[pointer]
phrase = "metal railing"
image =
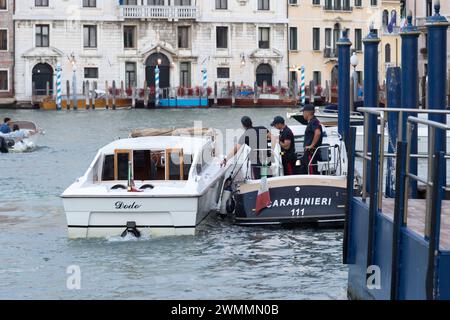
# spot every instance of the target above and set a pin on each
(433, 126)
(382, 114)
(159, 12)
(337, 163)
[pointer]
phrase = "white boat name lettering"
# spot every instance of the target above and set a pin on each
(120, 205)
(301, 202)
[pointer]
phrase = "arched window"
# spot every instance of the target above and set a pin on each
(394, 17)
(385, 18)
(387, 53)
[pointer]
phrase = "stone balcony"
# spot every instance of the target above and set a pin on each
(173, 13)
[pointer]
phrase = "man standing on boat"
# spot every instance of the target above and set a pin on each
(256, 139)
(313, 140)
(287, 143)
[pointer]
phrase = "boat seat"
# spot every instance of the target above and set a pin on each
(325, 152)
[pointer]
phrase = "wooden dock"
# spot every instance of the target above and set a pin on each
(416, 218)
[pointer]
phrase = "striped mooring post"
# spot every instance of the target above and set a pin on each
(205, 82)
(157, 86)
(303, 85)
(58, 87)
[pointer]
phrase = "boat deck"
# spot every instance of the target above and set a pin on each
(416, 218)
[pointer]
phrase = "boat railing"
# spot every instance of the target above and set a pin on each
(329, 165)
(336, 112)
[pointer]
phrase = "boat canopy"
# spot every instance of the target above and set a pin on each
(188, 144)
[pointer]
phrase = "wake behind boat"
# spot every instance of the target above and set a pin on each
(151, 185)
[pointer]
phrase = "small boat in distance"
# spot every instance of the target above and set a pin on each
(153, 185)
(328, 117)
(22, 140)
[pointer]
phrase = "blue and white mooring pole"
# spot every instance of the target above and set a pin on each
(303, 85)
(58, 87)
(157, 86)
(205, 81)
(74, 86)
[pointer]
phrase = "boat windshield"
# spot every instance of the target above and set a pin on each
(147, 165)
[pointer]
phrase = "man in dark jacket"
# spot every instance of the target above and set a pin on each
(313, 140)
(287, 144)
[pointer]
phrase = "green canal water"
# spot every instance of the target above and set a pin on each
(222, 262)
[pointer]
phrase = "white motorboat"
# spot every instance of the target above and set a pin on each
(23, 140)
(146, 186)
(295, 199)
(329, 118)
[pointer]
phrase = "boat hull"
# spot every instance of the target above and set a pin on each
(105, 217)
(295, 201)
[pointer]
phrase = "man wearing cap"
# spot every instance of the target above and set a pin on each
(287, 143)
(313, 140)
(256, 139)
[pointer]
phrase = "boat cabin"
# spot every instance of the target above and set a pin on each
(152, 159)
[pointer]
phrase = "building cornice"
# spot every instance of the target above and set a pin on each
(53, 18)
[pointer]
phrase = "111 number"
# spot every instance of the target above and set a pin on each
(297, 212)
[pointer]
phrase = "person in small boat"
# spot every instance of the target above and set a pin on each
(6, 126)
(18, 134)
(287, 143)
(313, 140)
(256, 139)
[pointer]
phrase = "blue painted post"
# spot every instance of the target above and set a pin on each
(393, 88)
(371, 43)
(157, 86)
(437, 27)
(303, 85)
(205, 82)
(344, 45)
(410, 95)
(74, 87)
(58, 87)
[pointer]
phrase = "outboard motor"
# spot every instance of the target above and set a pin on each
(131, 229)
(4, 148)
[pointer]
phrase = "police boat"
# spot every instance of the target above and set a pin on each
(266, 197)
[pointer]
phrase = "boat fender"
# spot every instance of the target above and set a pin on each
(3, 145)
(147, 186)
(131, 228)
(226, 195)
(119, 186)
(231, 205)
